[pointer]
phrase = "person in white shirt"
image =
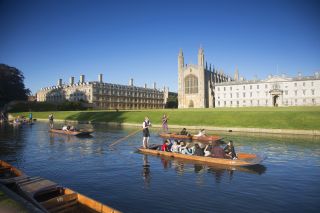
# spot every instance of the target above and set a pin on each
(146, 134)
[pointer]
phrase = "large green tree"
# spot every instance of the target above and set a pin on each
(11, 85)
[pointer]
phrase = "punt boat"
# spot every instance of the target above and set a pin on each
(75, 133)
(244, 159)
(175, 136)
(8, 173)
(50, 197)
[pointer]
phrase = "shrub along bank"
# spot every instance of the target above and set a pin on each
(304, 118)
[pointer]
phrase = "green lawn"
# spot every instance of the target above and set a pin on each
(258, 117)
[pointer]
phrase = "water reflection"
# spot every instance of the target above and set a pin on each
(146, 173)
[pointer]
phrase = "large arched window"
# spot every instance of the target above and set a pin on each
(191, 84)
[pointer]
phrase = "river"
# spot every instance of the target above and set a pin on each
(287, 181)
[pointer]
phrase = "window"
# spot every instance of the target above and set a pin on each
(295, 92)
(218, 103)
(244, 87)
(312, 84)
(230, 88)
(224, 88)
(286, 92)
(250, 94)
(244, 94)
(312, 91)
(266, 86)
(295, 84)
(230, 95)
(250, 86)
(191, 84)
(304, 92)
(218, 88)
(257, 86)
(225, 103)
(237, 95)
(304, 84)
(230, 103)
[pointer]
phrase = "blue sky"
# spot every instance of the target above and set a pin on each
(48, 39)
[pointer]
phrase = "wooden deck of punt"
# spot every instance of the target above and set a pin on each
(50, 197)
(8, 173)
(244, 159)
(190, 137)
(75, 133)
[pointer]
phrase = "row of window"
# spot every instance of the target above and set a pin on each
(265, 102)
(275, 86)
(237, 95)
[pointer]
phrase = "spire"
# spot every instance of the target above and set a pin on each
(201, 57)
(236, 74)
(180, 52)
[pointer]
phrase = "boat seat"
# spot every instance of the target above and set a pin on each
(63, 203)
(36, 185)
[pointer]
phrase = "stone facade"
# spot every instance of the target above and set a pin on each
(196, 82)
(106, 95)
(274, 91)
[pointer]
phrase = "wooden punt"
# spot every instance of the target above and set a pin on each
(244, 159)
(206, 138)
(9, 174)
(175, 136)
(75, 133)
(50, 197)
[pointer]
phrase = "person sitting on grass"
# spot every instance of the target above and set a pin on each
(229, 150)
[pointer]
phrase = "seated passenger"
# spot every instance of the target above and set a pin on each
(175, 147)
(184, 132)
(65, 128)
(188, 149)
(207, 151)
(217, 151)
(72, 128)
(164, 146)
(201, 133)
(229, 150)
(197, 150)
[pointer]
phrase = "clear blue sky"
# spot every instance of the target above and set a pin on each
(48, 40)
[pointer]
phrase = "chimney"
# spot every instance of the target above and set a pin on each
(100, 78)
(71, 80)
(131, 82)
(154, 85)
(60, 82)
(81, 79)
(145, 86)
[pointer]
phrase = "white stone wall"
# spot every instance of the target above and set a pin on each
(291, 92)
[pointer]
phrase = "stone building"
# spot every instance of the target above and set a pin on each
(196, 82)
(273, 91)
(105, 95)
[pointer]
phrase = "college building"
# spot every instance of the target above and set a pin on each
(203, 87)
(105, 95)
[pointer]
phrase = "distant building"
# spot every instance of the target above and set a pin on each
(273, 91)
(105, 95)
(196, 82)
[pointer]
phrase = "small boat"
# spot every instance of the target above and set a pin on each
(75, 132)
(206, 138)
(175, 136)
(8, 173)
(50, 197)
(244, 159)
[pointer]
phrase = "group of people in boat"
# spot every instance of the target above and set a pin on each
(212, 149)
(68, 128)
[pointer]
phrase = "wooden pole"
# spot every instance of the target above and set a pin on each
(121, 139)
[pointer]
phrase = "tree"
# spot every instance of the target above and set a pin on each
(11, 85)
(172, 101)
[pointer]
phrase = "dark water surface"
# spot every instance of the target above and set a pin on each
(287, 181)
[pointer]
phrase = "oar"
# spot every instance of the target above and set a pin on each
(121, 139)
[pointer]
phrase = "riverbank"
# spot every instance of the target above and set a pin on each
(290, 120)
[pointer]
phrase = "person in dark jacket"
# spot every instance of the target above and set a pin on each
(217, 151)
(229, 150)
(198, 151)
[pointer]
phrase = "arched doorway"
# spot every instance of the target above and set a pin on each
(191, 104)
(275, 100)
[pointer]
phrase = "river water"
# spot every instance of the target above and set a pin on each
(287, 181)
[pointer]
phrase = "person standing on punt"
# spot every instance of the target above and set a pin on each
(165, 123)
(146, 134)
(51, 120)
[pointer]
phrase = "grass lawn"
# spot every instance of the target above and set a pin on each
(307, 118)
